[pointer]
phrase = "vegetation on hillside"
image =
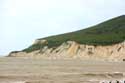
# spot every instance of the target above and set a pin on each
(107, 33)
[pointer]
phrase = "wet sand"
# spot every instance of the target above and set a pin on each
(29, 70)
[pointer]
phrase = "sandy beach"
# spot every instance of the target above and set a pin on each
(35, 70)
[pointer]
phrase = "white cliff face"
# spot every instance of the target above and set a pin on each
(71, 49)
(40, 42)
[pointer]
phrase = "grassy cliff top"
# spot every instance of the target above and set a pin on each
(106, 33)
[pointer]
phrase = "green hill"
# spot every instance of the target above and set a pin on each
(107, 33)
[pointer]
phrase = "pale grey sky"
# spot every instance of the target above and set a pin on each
(23, 21)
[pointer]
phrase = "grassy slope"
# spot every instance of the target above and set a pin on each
(107, 33)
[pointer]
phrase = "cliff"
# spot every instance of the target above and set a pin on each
(74, 50)
(104, 41)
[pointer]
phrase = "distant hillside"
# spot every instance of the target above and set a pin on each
(107, 33)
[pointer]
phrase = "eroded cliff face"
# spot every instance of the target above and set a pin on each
(74, 50)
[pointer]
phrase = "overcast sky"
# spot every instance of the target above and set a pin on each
(23, 21)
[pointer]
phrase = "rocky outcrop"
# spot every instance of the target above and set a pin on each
(40, 42)
(72, 49)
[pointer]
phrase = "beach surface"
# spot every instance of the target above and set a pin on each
(36, 70)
